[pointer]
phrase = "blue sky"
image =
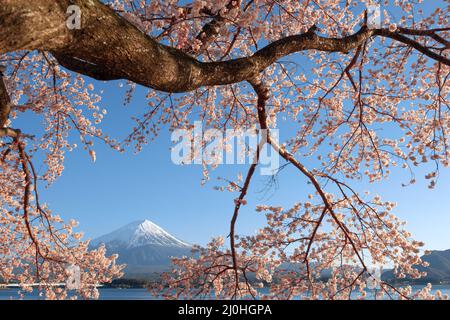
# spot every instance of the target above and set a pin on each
(120, 188)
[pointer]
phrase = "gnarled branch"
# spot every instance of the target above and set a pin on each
(109, 47)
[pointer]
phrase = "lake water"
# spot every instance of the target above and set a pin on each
(142, 294)
(105, 294)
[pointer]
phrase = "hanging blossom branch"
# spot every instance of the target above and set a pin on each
(240, 201)
(51, 250)
(227, 273)
(263, 96)
(262, 93)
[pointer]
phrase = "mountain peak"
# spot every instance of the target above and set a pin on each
(139, 233)
(146, 225)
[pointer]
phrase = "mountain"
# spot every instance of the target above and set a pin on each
(144, 247)
(438, 270)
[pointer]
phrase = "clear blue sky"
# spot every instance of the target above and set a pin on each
(120, 188)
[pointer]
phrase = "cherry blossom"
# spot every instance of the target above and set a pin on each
(360, 101)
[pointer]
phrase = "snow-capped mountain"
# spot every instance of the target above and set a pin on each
(138, 234)
(143, 246)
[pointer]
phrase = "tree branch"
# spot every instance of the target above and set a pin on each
(5, 109)
(5, 101)
(262, 93)
(109, 47)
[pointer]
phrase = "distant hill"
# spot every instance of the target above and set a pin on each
(437, 272)
(144, 247)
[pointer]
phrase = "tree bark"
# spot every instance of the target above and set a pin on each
(5, 102)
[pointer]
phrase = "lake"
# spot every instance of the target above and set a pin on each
(105, 294)
(143, 294)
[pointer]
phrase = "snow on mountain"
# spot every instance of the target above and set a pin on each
(140, 233)
(143, 246)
